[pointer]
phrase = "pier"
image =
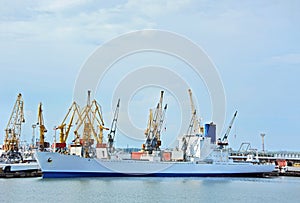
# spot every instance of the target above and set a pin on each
(20, 174)
(287, 162)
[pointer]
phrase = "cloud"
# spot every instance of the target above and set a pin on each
(85, 21)
(290, 59)
(60, 5)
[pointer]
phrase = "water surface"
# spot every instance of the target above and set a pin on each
(276, 189)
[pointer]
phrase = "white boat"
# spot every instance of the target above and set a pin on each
(20, 167)
(17, 162)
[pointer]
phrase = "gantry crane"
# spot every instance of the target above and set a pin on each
(224, 141)
(153, 131)
(14, 126)
(43, 130)
(112, 133)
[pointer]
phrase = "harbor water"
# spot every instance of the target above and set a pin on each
(274, 189)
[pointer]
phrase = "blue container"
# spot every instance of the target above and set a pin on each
(210, 131)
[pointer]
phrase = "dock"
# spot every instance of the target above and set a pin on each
(20, 174)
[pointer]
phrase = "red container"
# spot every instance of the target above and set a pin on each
(90, 141)
(167, 156)
(281, 163)
(101, 145)
(59, 145)
(136, 155)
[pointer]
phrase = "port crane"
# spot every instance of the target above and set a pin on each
(14, 126)
(112, 133)
(90, 123)
(195, 127)
(153, 131)
(224, 140)
(67, 123)
(149, 125)
(190, 131)
(43, 130)
(91, 120)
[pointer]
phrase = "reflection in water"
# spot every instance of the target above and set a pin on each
(151, 189)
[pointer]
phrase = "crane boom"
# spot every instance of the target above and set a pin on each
(112, 133)
(91, 122)
(195, 127)
(154, 127)
(158, 116)
(147, 131)
(43, 130)
(161, 121)
(64, 127)
(224, 140)
(13, 129)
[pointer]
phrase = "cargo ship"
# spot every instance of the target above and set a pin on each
(56, 165)
(196, 154)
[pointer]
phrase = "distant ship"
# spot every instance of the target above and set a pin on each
(196, 155)
(14, 156)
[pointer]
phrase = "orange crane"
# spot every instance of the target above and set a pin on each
(14, 126)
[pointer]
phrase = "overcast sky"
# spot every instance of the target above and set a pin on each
(254, 45)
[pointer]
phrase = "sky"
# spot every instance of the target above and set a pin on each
(254, 46)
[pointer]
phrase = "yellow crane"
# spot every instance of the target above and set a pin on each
(148, 131)
(14, 126)
(43, 130)
(153, 131)
(91, 120)
(194, 127)
(67, 123)
(149, 126)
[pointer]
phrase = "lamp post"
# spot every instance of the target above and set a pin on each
(33, 135)
(263, 141)
(54, 139)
